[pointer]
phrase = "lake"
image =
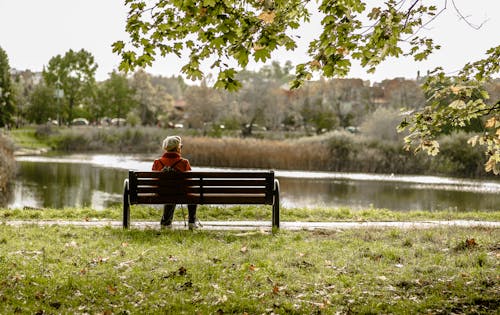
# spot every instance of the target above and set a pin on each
(97, 181)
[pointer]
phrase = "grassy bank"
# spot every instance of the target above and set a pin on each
(239, 213)
(335, 151)
(68, 270)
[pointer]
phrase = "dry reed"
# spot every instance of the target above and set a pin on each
(255, 153)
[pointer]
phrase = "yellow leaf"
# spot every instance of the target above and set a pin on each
(473, 141)
(267, 16)
(342, 51)
(490, 123)
(257, 47)
(315, 64)
(457, 104)
(455, 89)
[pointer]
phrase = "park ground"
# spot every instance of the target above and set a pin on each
(81, 268)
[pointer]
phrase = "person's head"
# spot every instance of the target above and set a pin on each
(172, 144)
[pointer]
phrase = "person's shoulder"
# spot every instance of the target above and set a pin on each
(157, 165)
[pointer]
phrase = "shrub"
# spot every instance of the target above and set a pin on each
(457, 158)
(7, 166)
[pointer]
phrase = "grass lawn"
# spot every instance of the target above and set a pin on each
(74, 270)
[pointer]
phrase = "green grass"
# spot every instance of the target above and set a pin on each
(70, 270)
(239, 213)
(26, 138)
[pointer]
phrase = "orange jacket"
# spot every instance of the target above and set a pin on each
(168, 159)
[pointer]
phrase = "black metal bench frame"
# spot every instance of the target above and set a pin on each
(203, 188)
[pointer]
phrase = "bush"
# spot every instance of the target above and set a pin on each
(457, 158)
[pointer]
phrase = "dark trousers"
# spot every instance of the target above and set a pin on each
(168, 214)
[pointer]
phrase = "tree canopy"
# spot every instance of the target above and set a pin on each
(224, 33)
(6, 95)
(74, 74)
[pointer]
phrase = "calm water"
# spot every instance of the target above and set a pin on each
(97, 181)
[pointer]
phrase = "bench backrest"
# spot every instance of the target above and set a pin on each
(223, 187)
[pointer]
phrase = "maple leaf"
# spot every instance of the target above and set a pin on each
(267, 17)
(490, 123)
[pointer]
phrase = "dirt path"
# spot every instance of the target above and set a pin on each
(264, 225)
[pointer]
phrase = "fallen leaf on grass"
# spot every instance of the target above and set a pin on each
(469, 243)
(55, 305)
(221, 299)
(244, 249)
(182, 271)
(27, 252)
(72, 244)
(185, 285)
(112, 290)
(276, 289)
(98, 260)
(216, 260)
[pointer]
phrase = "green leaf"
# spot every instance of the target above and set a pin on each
(262, 54)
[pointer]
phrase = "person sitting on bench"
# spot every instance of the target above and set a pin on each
(172, 160)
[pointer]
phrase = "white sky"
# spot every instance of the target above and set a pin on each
(34, 31)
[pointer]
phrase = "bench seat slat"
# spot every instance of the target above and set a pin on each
(196, 174)
(197, 182)
(210, 199)
(206, 190)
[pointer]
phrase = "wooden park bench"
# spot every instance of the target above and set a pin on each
(203, 188)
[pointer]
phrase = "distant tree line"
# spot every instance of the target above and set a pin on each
(67, 89)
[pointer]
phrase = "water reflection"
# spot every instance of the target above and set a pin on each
(379, 194)
(61, 185)
(97, 181)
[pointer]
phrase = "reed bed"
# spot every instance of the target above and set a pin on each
(256, 153)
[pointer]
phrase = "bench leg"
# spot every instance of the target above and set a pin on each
(276, 204)
(126, 205)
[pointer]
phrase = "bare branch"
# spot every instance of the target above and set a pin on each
(462, 17)
(409, 11)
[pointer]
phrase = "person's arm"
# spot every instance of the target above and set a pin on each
(187, 166)
(157, 165)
